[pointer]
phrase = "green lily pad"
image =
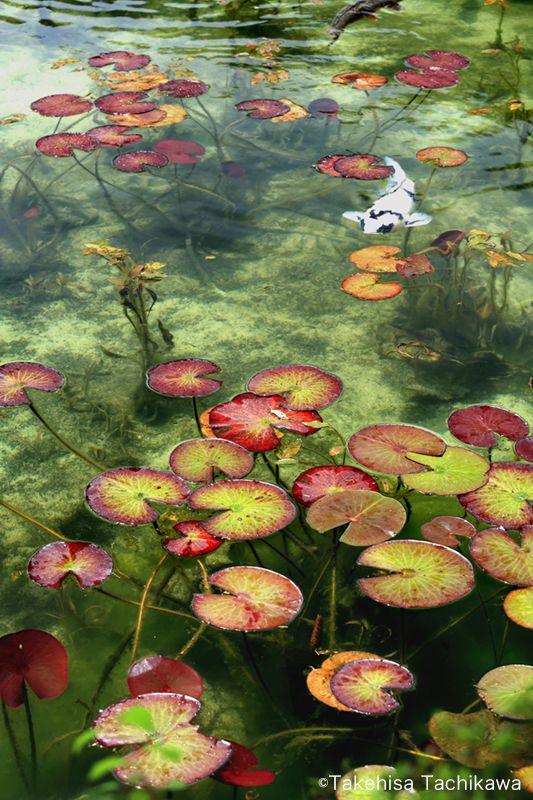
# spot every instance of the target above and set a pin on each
(383, 448)
(254, 599)
(456, 471)
(445, 530)
(424, 574)
(518, 606)
(196, 460)
(508, 691)
(373, 782)
(307, 387)
(254, 508)
(361, 685)
(503, 500)
(372, 518)
(497, 553)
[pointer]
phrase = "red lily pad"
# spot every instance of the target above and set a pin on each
(254, 599)
(196, 460)
(518, 605)
(430, 78)
(424, 575)
(327, 165)
(442, 156)
(160, 674)
(251, 421)
(476, 425)
(363, 168)
(445, 530)
(497, 553)
(371, 517)
(456, 470)
(253, 508)
(60, 145)
(88, 563)
(61, 105)
(20, 375)
(194, 542)
(443, 59)
(236, 771)
(233, 170)
(121, 495)
(179, 151)
(138, 160)
(114, 135)
(524, 448)
(307, 387)
(444, 240)
(414, 266)
(318, 680)
(508, 691)
(383, 448)
(121, 59)
(324, 107)
(263, 109)
(36, 657)
(171, 751)
(317, 482)
(125, 103)
(184, 378)
(183, 88)
(503, 500)
(365, 286)
(361, 685)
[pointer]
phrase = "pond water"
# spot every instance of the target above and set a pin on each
(248, 250)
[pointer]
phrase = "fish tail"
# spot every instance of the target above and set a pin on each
(399, 175)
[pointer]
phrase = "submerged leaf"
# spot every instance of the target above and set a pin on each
(33, 656)
(160, 674)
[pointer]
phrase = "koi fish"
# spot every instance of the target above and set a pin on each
(394, 209)
(358, 10)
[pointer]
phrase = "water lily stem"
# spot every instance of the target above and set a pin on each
(333, 597)
(70, 447)
(31, 733)
(141, 607)
(376, 121)
(30, 519)
(197, 416)
(15, 750)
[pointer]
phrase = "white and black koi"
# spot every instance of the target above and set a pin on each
(359, 10)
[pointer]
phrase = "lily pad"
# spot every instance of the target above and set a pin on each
(372, 518)
(307, 387)
(326, 165)
(476, 425)
(251, 421)
(524, 448)
(442, 156)
(414, 266)
(263, 109)
(171, 752)
(317, 482)
(150, 119)
(372, 782)
(318, 680)
(324, 107)
(363, 286)
(160, 674)
(121, 495)
(183, 88)
(179, 151)
(456, 470)
(377, 258)
(20, 375)
(360, 80)
(114, 135)
(503, 500)
(295, 112)
(424, 575)
(88, 563)
(61, 105)
(444, 240)
(383, 448)
(196, 460)
(497, 553)
(442, 59)
(60, 145)
(518, 605)
(184, 378)
(254, 599)
(36, 657)
(122, 59)
(430, 78)
(254, 508)
(236, 771)
(361, 685)
(138, 160)
(194, 542)
(445, 530)
(125, 103)
(508, 691)
(363, 168)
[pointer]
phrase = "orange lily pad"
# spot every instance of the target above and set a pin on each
(360, 80)
(295, 112)
(376, 258)
(318, 680)
(365, 286)
(139, 120)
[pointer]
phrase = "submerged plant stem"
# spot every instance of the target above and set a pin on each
(31, 732)
(15, 750)
(70, 447)
(30, 519)
(141, 607)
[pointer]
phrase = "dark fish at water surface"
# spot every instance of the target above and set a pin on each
(355, 11)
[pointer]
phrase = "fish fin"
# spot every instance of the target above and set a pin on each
(418, 219)
(398, 175)
(356, 216)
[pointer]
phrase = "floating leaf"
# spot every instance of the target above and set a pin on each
(121, 495)
(424, 574)
(254, 508)
(194, 542)
(125, 103)
(362, 685)
(430, 78)
(20, 375)
(414, 266)
(147, 120)
(61, 105)
(503, 500)
(138, 160)
(363, 286)
(90, 564)
(326, 165)
(121, 59)
(318, 680)
(263, 109)
(33, 656)
(377, 258)
(508, 691)
(360, 80)
(363, 168)
(498, 554)
(183, 88)
(318, 482)
(383, 448)
(442, 156)
(456, 470)
(443, 59)
(184, 378)
(114, 135)
(160, 674)
(444, 240)
(136, 82)
(173, 114)
(475, 425)
(172, 752)
(372, 518)
(196, 460)
(324, 107)
(295, 112)
(60, 145)
(237, 772)
(251, 421)
(179, 151)
(254, 599)
(307, 387)
(518, 605)
(445, 530)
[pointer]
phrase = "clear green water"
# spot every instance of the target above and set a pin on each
(254, 270)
